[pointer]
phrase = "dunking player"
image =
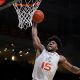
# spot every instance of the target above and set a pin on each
(47, 62)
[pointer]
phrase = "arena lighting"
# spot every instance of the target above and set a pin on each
(20, 55)
(27, 53)
(5, 49)
(20, 52)
(12, 50)
(5, 58)
(13, 58)
(28, 48)
(0, 51)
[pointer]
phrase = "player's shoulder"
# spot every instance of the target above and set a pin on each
(62, 58)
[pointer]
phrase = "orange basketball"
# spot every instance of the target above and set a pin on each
(2, 2)
(38, 16)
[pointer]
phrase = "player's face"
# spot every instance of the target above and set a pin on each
(52, 46)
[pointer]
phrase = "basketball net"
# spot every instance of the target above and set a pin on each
(25, 12)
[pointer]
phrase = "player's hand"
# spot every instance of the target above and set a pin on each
(78, 73)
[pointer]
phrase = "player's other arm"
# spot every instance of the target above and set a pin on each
(36, 41)
(68, 66)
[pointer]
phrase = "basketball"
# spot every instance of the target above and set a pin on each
(2, 2)
(38, 16)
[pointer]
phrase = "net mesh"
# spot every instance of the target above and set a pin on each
(25, 12)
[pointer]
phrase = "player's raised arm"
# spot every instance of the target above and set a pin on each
(36, 41)
(68, 66)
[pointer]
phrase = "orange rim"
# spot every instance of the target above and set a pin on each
(16, 4)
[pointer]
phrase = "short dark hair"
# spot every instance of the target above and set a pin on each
(57, 40)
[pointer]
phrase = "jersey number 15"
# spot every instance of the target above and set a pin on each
(46, 66)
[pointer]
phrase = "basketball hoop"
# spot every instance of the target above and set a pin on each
(25, 10)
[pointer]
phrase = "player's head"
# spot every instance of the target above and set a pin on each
(53, 44)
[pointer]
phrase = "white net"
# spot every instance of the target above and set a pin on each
(25, 10)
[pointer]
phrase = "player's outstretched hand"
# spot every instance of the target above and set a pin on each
(78, 73)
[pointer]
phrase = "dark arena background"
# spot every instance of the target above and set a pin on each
(17, 55)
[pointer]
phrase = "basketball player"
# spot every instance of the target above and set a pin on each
(47, 58)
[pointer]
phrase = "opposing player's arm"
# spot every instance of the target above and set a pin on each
(68, 66)
(36, 41)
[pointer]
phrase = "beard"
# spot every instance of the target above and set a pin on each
(49, 49)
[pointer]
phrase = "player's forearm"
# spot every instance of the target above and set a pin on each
(34, 30)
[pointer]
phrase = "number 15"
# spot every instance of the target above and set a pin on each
(46, 66)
